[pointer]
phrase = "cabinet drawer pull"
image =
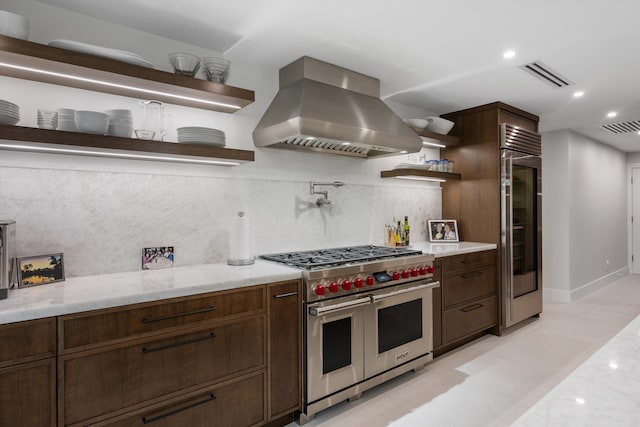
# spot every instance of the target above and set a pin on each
(148, 420)
(173, 316)
(288, 294)
(178, 344)
(470, 275)
(472, 307)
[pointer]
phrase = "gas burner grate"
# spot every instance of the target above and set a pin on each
(325, 258)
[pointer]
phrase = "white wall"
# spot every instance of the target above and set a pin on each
(592, 189)
(101, 212)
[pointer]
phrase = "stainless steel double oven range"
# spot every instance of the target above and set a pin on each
(368, 318)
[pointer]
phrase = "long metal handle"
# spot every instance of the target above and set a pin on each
(428, 285)
(165, 347)
(319, 311)
(472, 307)
(148, 420)
(288, 294)
(173, 316)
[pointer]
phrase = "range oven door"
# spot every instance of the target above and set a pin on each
(335, 331)
(398, 326)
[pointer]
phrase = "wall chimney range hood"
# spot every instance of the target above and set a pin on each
(325, 108)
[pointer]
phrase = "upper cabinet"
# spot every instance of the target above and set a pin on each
(33, 61)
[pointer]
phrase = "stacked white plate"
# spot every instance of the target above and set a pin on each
(9, 113)
(67, 120)
(120, 123)
(200, 135)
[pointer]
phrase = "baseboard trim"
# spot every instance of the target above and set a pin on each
(561, 296)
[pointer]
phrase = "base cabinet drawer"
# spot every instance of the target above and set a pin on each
(238, 404)
(469, 285)
(111, 379)
(469, 261)
(27, 341)
(470, 318)
(28, 395)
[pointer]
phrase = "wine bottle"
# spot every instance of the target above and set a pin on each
(406, 231)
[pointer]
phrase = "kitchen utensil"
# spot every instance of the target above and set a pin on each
(154, 119)
(47, 119)
(439, 125)
(184, 63)
(144, 134)
(201, 135)
(92, 122)
(14, 25)
(216, 69)
(118, 55)
(124, 131)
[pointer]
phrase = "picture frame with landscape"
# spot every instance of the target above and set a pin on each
(443, 231)
(40, 270)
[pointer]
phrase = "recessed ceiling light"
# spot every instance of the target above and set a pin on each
(611, 114)
(578, 94)
(509, 54)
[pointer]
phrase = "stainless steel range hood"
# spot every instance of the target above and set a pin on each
(325, 108)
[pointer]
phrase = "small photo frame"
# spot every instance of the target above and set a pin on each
(157, 257)
(443, 231)
(40, 270)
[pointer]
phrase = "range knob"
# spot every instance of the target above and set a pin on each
(357, 282)
(346, 285)
(430, 269)
(319, 290)
(369, 281)
(333, 287)
(414, 272)
(423, 271)
(405, 274)
(395, 275)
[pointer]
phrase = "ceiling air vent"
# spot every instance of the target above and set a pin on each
(546, 74)
(624, 127)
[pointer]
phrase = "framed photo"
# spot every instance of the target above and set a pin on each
(40, 270)
(157, 257)
(443, 230)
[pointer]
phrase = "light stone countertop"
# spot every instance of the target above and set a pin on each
(79, 294)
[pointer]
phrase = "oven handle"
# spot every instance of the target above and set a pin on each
(319, 311)
(428, 285)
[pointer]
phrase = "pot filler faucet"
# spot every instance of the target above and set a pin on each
(324, 195)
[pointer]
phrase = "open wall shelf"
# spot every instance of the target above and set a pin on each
(446, 140)
(419, 173)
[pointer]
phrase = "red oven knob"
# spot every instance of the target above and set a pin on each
(369, 280)
(423, 271)
(405, 274)
(346, 285)
(414, 272)
(430, 269)
(357, 282)
(395, 275)
(333, 287)
(319, 290)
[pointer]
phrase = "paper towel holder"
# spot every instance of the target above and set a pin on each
(246, 261)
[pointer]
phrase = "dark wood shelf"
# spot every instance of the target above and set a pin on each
(394, 173)
(446, 140)
(38, 62)
(35, 139)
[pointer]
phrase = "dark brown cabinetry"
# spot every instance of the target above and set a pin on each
(284, 348)
(468, 299)
(28, 374)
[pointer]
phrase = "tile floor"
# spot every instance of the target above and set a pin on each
(493, 381)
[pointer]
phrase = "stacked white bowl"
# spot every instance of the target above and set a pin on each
(9, 113)
(67, 120)
(47, 119)
(13, 25)
(120, 123)
(92, 122)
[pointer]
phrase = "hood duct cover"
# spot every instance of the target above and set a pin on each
(325, 108)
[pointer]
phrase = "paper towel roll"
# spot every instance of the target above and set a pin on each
(240, 250)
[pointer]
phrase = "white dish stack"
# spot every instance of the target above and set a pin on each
(201, 135)
(120, 123)
(67, 120)
(9, 113)
(14, 25)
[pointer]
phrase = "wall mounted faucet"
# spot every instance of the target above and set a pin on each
(324, 195)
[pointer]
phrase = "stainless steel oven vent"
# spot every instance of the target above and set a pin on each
(518, 139)
(623, 127)
(546, 74)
